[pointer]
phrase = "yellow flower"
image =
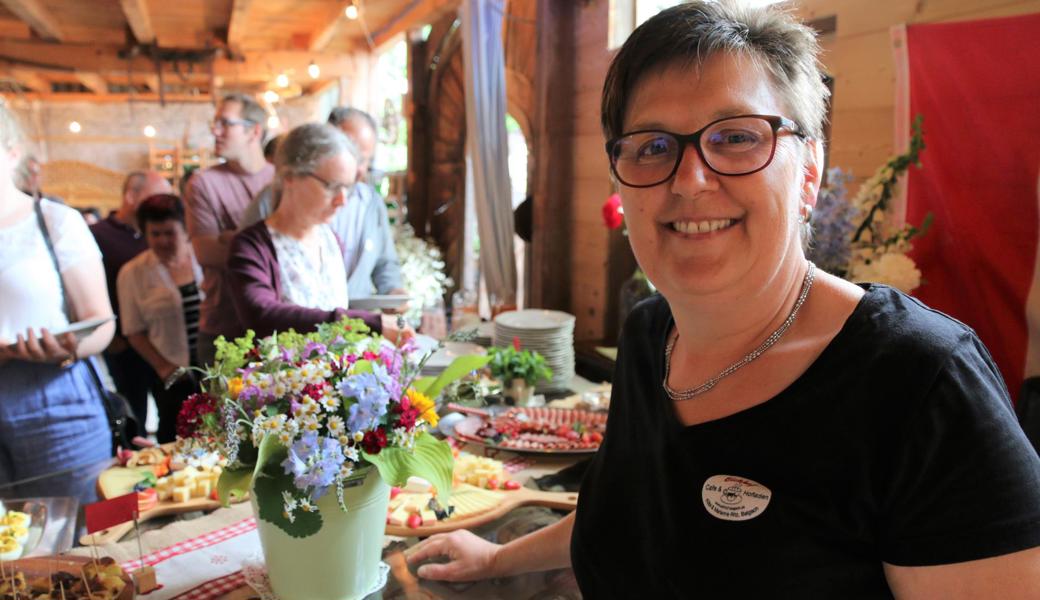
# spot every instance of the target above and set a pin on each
(235, 387)
(424, 405)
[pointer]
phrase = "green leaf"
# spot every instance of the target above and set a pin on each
(458, 368)
(362, 366)
(422, 384)
(268, 488)
(234, 483)
(431, 460)
(270, 448)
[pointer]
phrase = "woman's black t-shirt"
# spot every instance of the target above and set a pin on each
(897, 445)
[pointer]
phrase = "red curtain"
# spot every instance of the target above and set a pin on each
(978, 87)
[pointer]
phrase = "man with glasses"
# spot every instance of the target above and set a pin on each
(215, 199)
(362, 224)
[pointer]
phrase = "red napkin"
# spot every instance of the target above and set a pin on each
(105, 514)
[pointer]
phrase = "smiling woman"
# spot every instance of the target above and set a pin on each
(773, 429)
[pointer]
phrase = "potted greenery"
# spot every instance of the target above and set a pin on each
(519, 370)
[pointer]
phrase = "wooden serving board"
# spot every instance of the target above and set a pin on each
(42, 566)
(510, 500)
(162, 509)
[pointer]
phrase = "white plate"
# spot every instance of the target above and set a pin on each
(534, 319)
(389, 302)
(83, 328)
(452, 350)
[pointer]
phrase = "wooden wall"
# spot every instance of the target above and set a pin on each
(858, 55)
(579, 266)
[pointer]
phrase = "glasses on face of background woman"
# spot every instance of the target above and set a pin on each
(739, 145)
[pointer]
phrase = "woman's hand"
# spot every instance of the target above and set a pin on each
(44, 348)
(470, 557)
(393, 333)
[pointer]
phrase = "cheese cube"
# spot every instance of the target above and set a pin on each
(202, 488)
(398, 517)
(428, 517)
(181, 494)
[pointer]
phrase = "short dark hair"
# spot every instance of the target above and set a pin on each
(342, 114)
(692, 32)
(134, 181)
(271, 147)
(251, 110)
(159, 209)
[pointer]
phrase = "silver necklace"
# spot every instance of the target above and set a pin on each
(810, 276)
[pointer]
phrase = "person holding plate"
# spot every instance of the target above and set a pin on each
(774, 430)
(287, 271)
(54, 433)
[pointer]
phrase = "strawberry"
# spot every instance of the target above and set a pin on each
(414, 521)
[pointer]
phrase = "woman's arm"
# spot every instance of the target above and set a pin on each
(1009, 577)
(472, 557)
(148, 351)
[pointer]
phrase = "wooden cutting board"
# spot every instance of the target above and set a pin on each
(509, 500)
(42, 566)
(110, 486)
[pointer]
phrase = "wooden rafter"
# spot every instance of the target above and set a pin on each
(140, 20)
(323, 36)
(107, 61)
(34, 14)
(31, 79)
(93, 82)
(238, 23)
(416, 14)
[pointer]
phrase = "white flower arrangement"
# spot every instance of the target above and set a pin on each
(422, 270)
(854, 240)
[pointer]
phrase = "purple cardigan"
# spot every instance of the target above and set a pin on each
(256, 288)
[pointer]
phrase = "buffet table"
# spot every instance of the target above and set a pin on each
(202, 558)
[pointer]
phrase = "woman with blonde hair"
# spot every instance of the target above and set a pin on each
(774, 431)
(54, 433)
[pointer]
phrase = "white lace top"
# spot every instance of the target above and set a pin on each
(30, 294)
(312, 273)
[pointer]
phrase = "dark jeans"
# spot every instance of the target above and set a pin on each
(169, 402)
(133, 377)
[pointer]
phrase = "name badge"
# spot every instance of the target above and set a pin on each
(733, 498)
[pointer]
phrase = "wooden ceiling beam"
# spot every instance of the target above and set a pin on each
(34, 14)
(323, 35)
(112, 98)
(31, 79)
(93, 82)
(415, 15)
(238, 23)
(140, 20)
(107, 62)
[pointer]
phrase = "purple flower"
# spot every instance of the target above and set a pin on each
(833, 225)
(392, 360)
(288, 355)
(311, 347)
(314, 463)
(371, 399)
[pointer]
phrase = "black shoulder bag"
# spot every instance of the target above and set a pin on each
(121, 420)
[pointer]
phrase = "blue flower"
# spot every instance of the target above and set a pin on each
(314, 462)
(371, 398)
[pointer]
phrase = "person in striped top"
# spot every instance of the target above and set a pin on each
(159, 294)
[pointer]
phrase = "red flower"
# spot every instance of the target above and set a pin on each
(516, 343)
(369, 355)
(374, 441)
(191, 417)
(407, 414)
(314, 390)
(613, 214)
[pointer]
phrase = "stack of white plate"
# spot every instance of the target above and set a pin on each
(485, 334)
(547, 332)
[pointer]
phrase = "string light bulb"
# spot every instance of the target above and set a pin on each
(351, 12)
(75, 127)
(149, 131)
(273, 122)
(282, 80)
(313, 70)
(271, 96)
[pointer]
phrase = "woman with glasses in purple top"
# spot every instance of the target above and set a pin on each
(287, 271)
(774, 431)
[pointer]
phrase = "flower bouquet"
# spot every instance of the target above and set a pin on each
(317, 426)
(852, 239)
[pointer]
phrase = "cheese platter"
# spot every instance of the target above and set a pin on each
(65, 577)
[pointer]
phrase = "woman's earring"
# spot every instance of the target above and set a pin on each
(805, 213)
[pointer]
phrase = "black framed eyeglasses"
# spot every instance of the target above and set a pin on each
(732, 146)
(222, 123)
(332, 188)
